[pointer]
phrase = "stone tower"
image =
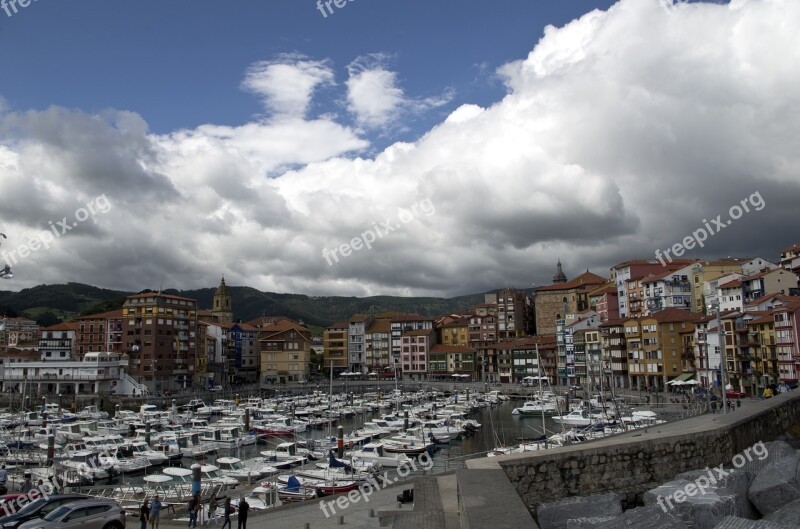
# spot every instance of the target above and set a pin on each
(559, 277)
(222, 309)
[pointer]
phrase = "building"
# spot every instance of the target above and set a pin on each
(532, 357)
(605, 300)
(655, 347)
(414, 352)
(787, 324)
(703, 273)
(285, 348)
(668, 289)
(483, 326)
(514, 312)
(790, 258)
(378, 341)
(100, 332)
(160, 337)
(357, 341)
(614, 352)
(453, 362)
(243, 347)
(97, 373)
(571, 362)
(402, 323)
(19, 333)
(456, 331)
(58, 342)
(222, 310)
(554, 301)
(334, 341)
(637, 269)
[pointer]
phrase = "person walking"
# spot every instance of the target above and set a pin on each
(193, 506)
(227, 510)
(243, 508)
(155, 512)
(144, 514)
(212, 510)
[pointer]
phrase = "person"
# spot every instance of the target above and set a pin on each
(212, 510)
(155, 512)
(193, 507)
(243, 508)
(767, 392)
(28, 485)
(227, 510)
(783, 388)
(144, 514)
(3, 476)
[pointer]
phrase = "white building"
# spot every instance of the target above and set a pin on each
(97, 373)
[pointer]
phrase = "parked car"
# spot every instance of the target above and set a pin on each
(86, 514)
(36, 509)
(733, 394)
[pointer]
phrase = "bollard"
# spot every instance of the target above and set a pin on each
(340, 441)
(372, 513)
(341, 520)
(307, 525)
(196, 476)
(51, 449)
(405, 420)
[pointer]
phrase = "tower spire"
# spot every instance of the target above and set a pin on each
(559, 277)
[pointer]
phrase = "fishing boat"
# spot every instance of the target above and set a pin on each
(324, 487)
(294, 491)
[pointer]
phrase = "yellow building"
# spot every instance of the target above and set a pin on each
(656, 347)
(455, 332)
(334, 343)
(285, 348)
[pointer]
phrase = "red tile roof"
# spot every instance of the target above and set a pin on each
(103, 315)
(64, 326)
(586, 279)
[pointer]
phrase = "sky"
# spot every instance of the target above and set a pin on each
(391, 147)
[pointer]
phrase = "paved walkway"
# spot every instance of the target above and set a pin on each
(356, 515)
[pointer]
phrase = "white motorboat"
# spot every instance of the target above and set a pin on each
(375, 453)
(234, 467)
(574, 418)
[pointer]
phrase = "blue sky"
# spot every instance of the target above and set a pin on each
(265, 142)
(180, 63)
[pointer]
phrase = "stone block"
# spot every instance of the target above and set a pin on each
(650, 517)
(776, 485)
(556, 515)
(588, 523)
(732, 522)
(789, 514)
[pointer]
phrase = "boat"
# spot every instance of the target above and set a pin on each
(375, 453)
(284, 456)
(574, 418)
(141, 448)
(234, 468)
(295, 491)
(536, 407)
(211, 474)
(324, 487)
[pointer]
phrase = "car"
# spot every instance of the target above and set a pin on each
(86, 514)
(17, 513)
(733, 394)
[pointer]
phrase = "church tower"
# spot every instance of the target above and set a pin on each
(222, 309)
(559, 277)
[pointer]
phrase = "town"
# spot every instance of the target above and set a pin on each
(642, 327)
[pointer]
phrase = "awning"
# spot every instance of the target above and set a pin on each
(681, 379)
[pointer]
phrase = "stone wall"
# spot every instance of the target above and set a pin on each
(634, 462)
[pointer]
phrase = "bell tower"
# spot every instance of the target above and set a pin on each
(222, 309)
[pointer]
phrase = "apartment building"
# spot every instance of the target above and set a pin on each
(655, 347)
(403, 323)
(378, 341)
(414, 352)
(285, 351)
(159, 333)
(483, 326)
(514, 313)
(668, 289)
(453, 362)
(456, 331)
(357, 341)
(100, 333)
(335, 346)
(703, 274)
(19, 333)
(58, 342)
(790, 258)
(787, 323)
(614, 352)
(605, 300)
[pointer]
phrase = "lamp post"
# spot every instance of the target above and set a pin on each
(723, 358)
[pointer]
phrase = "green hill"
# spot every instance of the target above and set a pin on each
(50, 303)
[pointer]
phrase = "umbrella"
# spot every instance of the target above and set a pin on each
(692, 382)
